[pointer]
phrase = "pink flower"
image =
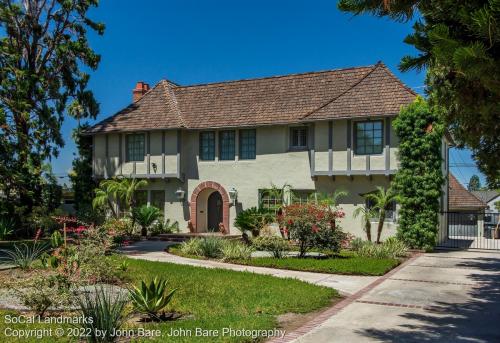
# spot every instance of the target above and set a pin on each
(314, 228)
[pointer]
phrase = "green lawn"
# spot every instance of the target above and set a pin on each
(216, 298)
(346, 262)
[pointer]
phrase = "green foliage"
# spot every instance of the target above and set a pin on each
(253, 219)
(391, 248)
(117, 190)
(83, 184)
(44, 56)
(145, 216)
(164, 227)
(474, 183)
(382, 199)
(277, 245)
(191, 247)
(106, 308)
(211, 247)
(235, 251)
(23, 255)
(151, 299)
(330, 199)
(497, 205)
(459, 46)
(56, 239)
(123, 266)
(7, 226)
(419, 179)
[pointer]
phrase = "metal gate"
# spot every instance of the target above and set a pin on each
(470, 230)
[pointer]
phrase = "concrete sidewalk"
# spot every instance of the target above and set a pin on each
(448, 296)
(154, 251)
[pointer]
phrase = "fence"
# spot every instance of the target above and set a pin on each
(470, 230)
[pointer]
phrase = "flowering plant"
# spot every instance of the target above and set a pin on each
(313, 225)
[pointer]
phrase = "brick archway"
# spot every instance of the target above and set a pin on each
(194, 203)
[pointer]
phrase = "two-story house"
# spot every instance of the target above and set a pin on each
(212, 150)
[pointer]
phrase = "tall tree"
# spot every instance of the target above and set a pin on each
(474, 183)
(43, 52)
(81, 174)
(459, 44)
(382, 199)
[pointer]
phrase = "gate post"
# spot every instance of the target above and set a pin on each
(480, 224)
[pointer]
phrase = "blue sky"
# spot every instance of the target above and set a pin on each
(206, 41)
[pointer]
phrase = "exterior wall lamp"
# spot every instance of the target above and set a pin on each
(233, 194)
(179, 194)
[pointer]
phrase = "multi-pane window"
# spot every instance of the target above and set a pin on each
(207, 146)
(368, 137)
(298, 137)
(302, 196)
(158, 199)
(247, 144)
(271, 199)
(226, 145)
(390, 212)
(135, 147)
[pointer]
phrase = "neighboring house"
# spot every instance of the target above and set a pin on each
(489, 197)
(212, 150)
(465, 217)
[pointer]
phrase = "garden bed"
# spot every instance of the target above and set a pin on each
(346, 262)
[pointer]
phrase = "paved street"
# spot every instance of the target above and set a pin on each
(448, 296)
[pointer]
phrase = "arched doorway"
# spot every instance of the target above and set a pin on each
(214, 211)
(209, 206)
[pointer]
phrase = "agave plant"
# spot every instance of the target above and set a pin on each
(145, 216)
(151, 299)
(23, 255)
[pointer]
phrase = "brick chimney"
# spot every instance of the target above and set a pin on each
(140, 89)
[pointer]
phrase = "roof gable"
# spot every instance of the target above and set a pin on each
(461, 198)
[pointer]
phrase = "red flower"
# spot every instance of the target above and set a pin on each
(314, 228)
(290, 222)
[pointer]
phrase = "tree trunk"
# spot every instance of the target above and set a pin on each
(380, 225)
(368, 229)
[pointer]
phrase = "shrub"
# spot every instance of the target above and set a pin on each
(23, 255)
(151, 299)
(277, 245)
(106, 308)
(253, 220)
(236, 251)
(191, 247)
(391, 248)
(312, 225)
(121, 226)
(146, 216)
(56, 239)
(164, 227)
(42, 292)
(357, 243)
(211, 247)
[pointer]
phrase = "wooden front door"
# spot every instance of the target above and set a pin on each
(214, 212)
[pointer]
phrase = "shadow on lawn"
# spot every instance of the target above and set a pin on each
(476, 320)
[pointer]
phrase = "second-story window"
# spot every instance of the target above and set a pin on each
(247, 144)
(135, 147)
(368, 137)
(226, 145)
(298, 138)
(207, 146)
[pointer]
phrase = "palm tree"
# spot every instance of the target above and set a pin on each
(367, 214)
(382, 199)
(145, 216)
(118, 190)
(104, 196)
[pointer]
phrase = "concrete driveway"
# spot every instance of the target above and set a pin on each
(448, 296)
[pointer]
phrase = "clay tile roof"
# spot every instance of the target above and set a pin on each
(352, 92)
(460, 198)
